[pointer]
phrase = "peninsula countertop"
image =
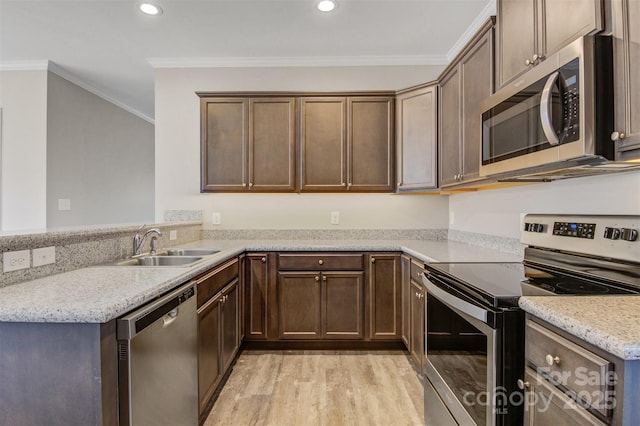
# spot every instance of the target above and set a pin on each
(611, 323)
(100, 293)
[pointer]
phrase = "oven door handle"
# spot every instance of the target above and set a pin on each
(545, 110)
(454, 302)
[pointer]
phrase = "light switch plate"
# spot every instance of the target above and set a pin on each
(44, 256)
(173, 234)
(16, 260)
(215, 217)
(335, 218)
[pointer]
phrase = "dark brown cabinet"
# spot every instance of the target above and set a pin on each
(417, 138)
(417, 322)
(248, 144)
(257, 291)
(530, 30)
(324, 303)
(413, 309)
(626, 50)
(346, 144)
(465, 83)
(406, 301)
(384, 296)
(218, 327)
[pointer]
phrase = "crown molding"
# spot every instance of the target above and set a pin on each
(488, 11)
(298, 61)
(45, 65)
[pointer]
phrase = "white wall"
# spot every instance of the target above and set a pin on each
(99, 156)
(178, 152)
(23, 99)
(497, 212)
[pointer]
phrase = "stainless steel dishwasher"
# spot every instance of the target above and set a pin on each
(158, 361)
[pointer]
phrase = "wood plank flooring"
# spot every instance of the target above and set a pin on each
(320, 388)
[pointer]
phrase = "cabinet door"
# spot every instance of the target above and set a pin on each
(564, 21)
(406, 300)
(209, 371)
(449, 134)
(370, 155)
(476, 69)
(299, 299)
(256, 296)
(224, 144)
(230, 336)
(343, 305)
(272, 152)
(323, 144)
(626, 50)
(384, 296)
(417, 322)
(417, 138)
(517, 23)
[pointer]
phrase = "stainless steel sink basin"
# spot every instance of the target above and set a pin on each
(191, 252)
(154, 260)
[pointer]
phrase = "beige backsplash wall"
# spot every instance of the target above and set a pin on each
(177, 112)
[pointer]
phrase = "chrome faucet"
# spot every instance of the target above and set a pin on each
(138, 240)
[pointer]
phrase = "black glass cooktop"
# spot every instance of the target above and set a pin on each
(501, 284)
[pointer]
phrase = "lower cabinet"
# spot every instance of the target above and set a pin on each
(320, 305)
(384, 296)
(413, 309)
(256, 295)
(417, 322)
(218, 327)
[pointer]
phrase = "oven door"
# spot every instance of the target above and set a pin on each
(463, 354)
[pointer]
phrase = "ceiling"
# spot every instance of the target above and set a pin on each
(112, 49)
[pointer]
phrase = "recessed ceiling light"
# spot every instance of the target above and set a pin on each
(150, 9)
(326, 5)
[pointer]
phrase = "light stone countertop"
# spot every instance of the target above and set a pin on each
(611, 323)
(99, 294)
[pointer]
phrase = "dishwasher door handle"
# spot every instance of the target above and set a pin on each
(170, 317)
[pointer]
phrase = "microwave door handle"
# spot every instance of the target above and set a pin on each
(454, 302)
(545, 109)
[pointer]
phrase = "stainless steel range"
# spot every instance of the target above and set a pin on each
(474, 329)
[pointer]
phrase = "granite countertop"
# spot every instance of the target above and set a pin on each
(611, 323)
(99, 294)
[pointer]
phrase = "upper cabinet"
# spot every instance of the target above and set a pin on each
(248, 144)
(346, 144)
(463, 85)
(265, 143)
(626, 51)
(529, 30)
(417, 138)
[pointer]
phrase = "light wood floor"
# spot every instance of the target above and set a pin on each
(320, 388)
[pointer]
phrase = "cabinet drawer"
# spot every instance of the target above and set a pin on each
(212, 282)
(417, 269)
(320, 262)
(570, 365)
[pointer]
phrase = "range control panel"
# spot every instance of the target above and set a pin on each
(612, 236)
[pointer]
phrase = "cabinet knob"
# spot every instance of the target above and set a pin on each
(373, 260)
(349, 185)
(317, 278)
(320, 262)
(324, 278)
(244, 184)
(523, 385)
(418, 274)
(263, 260)
(250, 184)
(343, 184)
(399, 183)
(527, 62)
(550, 359)
(615, 136)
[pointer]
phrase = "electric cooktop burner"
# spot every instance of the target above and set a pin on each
(579, 287)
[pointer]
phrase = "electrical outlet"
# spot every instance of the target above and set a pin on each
(64, 204)
(16, 260)
(216, 218)
(452, 218)
(44, 256)
(173, 234)
(335, 218)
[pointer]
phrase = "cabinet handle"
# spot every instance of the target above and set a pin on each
(343, 184)
(399, 183)
(523, 385)
(617, 136)
(317, 278)
(418, 274)
(373, 260)
(417, 295)
(320, 262)
(264, 260)
(324, 278)
(527, 62)
(250, 184)
(244, 184)
(349, 185)
(550, 359)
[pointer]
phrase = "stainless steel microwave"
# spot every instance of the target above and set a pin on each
(557, 115)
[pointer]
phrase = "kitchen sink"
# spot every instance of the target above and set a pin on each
(154, 260)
